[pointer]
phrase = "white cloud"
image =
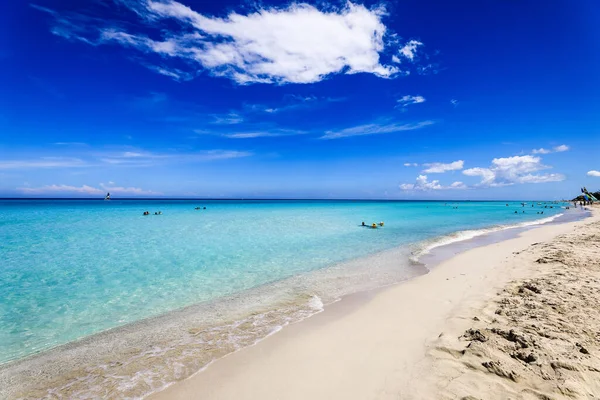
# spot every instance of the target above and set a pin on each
(458, 185)
(423, 184)
(374, 129)
(511, 170)
(408, 100)
(410, 49)
(454, 102)
(438, 168)
(487, 175)
(529, 178)
(556, 149)
(411, 164)
(298, 43)
(85, 189)
(594, 173)
(541, 151)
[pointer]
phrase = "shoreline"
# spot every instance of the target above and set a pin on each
(103, 339)
(365, 346)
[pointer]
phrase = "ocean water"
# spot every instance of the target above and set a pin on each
(73, 268)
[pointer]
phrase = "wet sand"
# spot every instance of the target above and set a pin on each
(511, 319)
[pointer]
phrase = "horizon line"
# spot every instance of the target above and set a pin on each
(262, 199)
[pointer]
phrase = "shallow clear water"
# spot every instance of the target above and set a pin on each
(71, 268)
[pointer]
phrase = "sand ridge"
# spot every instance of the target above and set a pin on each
(539, 338)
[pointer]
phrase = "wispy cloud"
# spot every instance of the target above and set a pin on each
(292, 102)
(173, 73)
(409, 50)
(298, 43)
(438, 168)
(70, 144)
(231, 118)
(267, 133)
(251, 134)
(374, 129)
(411, 164)
(213, 155)
(126, 158)
(145, 158)
(422, 183)
(44, 162)
(407, 100)
(454, 102)
(511, 170)
(594, 173)
(556, 149)
(86, 189)
(541, 151)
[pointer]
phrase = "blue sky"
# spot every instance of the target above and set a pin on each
(413, 99)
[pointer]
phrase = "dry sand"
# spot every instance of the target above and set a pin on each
(518, 319)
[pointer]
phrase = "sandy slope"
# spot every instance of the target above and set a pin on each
(539, 338)
(409, 342)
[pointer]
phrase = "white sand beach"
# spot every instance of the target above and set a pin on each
(514, 319)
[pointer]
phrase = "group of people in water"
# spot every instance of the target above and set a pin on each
(373, 225)
(160, 212)
(539, 212)
(532, 205)
(155, 213)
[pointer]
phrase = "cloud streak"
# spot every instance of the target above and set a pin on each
(374, 129)
(43, 163)
(127, 158)
(86, 189)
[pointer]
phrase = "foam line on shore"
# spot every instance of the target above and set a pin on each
(426, 247)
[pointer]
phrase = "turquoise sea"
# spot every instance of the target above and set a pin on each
(73, 268)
